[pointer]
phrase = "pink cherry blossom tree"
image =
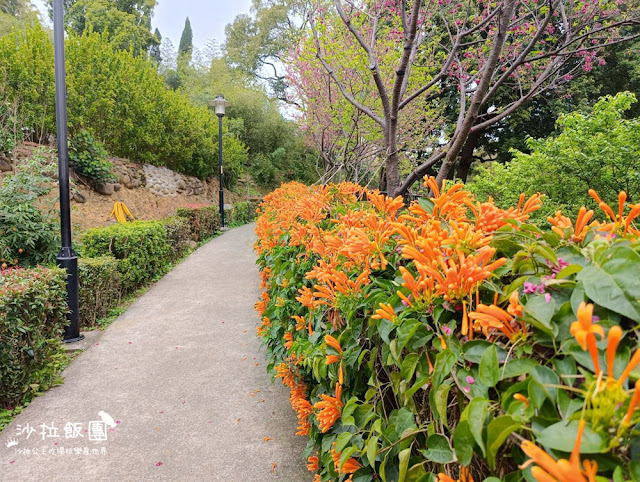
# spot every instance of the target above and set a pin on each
(371, 74)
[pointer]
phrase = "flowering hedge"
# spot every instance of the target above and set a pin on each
(449, 339)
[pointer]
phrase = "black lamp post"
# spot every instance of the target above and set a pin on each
(219, 104)
(67, 258)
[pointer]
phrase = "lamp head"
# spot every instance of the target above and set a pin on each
(219, 104)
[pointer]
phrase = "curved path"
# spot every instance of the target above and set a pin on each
(182, 377)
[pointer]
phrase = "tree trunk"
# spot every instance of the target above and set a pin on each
(460, 136)
(466, 156)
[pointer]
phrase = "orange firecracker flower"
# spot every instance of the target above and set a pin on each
(584, 331)
(301, 323)
(633, 404)
(333, 343)
(515, 308)
(548, 469)
(312, 463)
(619, 224)
(489, 318)
(562, 225)
(385, 312)
(288, 340)
(350, 465)
(465, 476)
(330, 409)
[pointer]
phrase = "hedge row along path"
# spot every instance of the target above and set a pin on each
(183, 378)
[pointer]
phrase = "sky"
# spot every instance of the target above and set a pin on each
(208, 18)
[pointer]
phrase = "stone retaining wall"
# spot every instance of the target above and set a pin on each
(160, 181)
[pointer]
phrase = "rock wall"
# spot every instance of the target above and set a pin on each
(165, 182)
(160, 181)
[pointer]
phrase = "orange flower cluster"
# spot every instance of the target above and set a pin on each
(350, 465)
(584, 331)
(617, 224)
(297, 397)
(490, 318)
(465, 476)
(449, 245)
(549, 469)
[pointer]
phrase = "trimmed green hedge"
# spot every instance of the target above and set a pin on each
(141, 247)
(100, 288)
(204, 221)
(244, 212)
(178, 236)
(32, 319)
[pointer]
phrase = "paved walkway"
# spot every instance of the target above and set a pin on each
(182, 377)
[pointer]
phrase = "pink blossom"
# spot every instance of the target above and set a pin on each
(446, 330)
(470, 380)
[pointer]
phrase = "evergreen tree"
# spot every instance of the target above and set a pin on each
(154, 50)
(186, 42)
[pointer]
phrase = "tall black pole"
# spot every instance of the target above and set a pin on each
(221, 172)
(67, 258)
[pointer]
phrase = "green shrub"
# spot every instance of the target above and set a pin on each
(141, 247)
(451, 336)
(100, 288)
(7, 122)
(116, 95)
(204, 221)
(88, 158)
(178, 237)
(243, 212)
(32, 319)
(28, 231)
(597, 150)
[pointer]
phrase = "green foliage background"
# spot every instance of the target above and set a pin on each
(599, 149)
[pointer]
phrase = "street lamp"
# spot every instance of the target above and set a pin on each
(219, 104)
(67, 258)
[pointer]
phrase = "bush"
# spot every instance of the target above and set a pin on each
(28, 231)
(243, 212)
(100, 288)
(88, 158)
(116, 95)
(178, 237)
(597, 150)
(141, 247)
(450, 336)
(204, 221)
(32, 319)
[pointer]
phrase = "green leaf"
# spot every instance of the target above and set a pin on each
(409, 366)
(403, 458)
(489, 372)
(438, 449)
(445, 360)
(475, 413)
(463, 443)
(561, 436)
(441, 397)
(372, 450)
(541, 312)
(568, 271)
(426, 204)
(546, 252)
(515, 368)
(497, 432)
(616, 284)
(343, 440)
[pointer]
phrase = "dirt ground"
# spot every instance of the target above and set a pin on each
(141, 202)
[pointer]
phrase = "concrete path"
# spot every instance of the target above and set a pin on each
(182, 377)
